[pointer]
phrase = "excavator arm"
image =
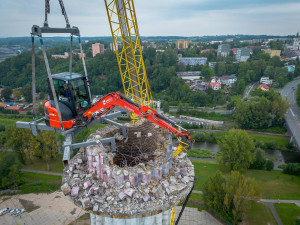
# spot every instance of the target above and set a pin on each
(113, 99)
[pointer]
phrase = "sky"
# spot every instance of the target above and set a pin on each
(159, 17)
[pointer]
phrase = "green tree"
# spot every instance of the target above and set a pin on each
(22, 141)
(10, 174)
(27, 93)
(239, 190)
(6, 93)
(48, 146)
(165, 107)
(214, 193)
(230, 195)
(17, 94)
(236, 151)
(260, 159)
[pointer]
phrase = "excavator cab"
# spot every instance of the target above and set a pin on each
(73, 99)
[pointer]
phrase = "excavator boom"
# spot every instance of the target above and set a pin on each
(113, 99)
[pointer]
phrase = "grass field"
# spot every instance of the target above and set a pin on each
(274, 184)
(259, 214)
(274, 130)
(203, 170)
(56, 165)
(7, 122)
(200, 153)
(288, 213)
(280, 141)
(37, 183)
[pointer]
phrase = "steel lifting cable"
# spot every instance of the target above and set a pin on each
(84, 68)
(64, 12)
(33, 79)
(71, 55)
(51, 82)
(47, 10)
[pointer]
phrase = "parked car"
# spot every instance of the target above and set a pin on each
(19, 212)
(11, 212)
(4, 211)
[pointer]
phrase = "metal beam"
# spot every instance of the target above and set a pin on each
(38, 31)
(124, 131)
(110, 140)
(67, 149)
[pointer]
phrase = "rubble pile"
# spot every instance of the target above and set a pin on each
(98, 181)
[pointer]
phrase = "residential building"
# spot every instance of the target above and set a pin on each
(229, 40)
(182, 44)
(215, 86)
(3, 105)
(192, 61)
(206, 50)
(296, 43)
(189, 75)
(97, 48)
(65, 56)
(266, 80)
(215, 79)
(14, 108)
(242, 54)
(223, 50)
(212, 64)
(263, 87)
(228, 80)
(272, 52)
(291, 68)
(201, 86)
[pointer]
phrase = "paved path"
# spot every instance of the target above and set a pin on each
(42, 172)
(273, 210)
(297, 202)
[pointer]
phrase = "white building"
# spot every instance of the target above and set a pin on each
(192, 61)
(189, 75)
(266, 80)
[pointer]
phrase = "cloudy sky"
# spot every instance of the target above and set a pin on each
(160, 17)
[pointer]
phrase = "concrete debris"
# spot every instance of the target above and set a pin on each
(75, 191)
(66, 189)
(94, 181)
(129, 191)
(87, 184)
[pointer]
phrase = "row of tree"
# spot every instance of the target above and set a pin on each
(44, 146)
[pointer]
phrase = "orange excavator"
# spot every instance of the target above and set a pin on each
(77, 111)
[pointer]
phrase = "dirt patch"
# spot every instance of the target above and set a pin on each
(28, 205)
(6, 198)
(73, 211)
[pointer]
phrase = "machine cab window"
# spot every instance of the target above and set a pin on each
(71, 90)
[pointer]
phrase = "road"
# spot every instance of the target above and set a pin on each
(293, 113)
(248, 90)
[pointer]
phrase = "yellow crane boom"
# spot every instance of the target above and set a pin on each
(125, 34)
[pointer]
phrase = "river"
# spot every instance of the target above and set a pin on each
(277, 156)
